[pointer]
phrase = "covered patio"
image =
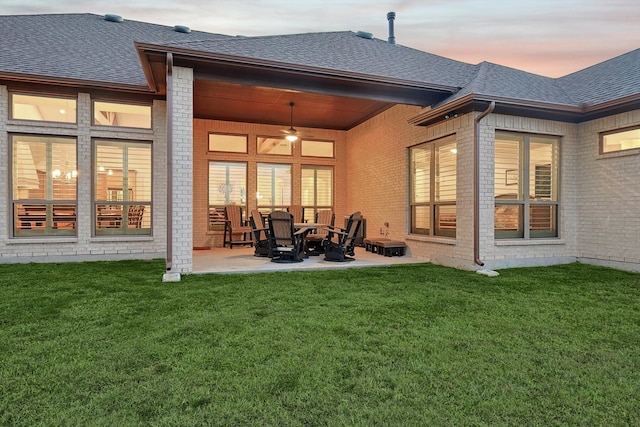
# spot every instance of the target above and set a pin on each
(349, 120)
(241, 260)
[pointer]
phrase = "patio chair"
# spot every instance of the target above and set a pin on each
(287, 243)
(234, 225)
(134, 215)
(340, 242)
(314, 239)
(260, 234)
(298, 213)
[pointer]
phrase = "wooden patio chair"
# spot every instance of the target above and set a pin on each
(340, 242)
(234, 225)
(314, 239)
(134, 216)
(287, 243)
(298, 213)
(260, 234)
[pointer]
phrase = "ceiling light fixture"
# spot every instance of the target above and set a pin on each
(66, 176)
(292, 134)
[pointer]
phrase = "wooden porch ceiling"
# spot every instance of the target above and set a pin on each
(245, 90)
(218, 100)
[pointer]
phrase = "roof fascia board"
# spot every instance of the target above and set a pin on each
(148, 72)
(432, 115)
(204, 64)
(77, 83)
(628, 103)
(543, 110)
(181, 54)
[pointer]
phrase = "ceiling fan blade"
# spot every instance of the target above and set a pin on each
(290, 131)
(293, 131)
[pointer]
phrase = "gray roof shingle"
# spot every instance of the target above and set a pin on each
(88, 47)
(81, 46)
(493, 80)
(612, 79)
(343, 51)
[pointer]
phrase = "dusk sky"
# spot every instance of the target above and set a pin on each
(547, 37)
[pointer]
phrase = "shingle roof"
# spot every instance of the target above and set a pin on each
(607, 81)
(493, 80)
(88, 47)
(612, 79)
(343, 51)
(81, 46)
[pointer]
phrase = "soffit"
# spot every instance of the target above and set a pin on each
(255, 104)
(260, 93)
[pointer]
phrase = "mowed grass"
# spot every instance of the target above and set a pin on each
(109, 344)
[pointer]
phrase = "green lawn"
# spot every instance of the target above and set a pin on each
(109, 344)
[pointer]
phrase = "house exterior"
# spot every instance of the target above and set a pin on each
(123, 139)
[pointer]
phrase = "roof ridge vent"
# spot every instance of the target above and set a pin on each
(364, 35)
(113, 18)
(181, 29)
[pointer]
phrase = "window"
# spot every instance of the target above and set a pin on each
(317, 190)
(121, 115)
(122, 187)
(270, 145)
(526, 186)
(274, 187)
(433, 187)
(620, 140)
(227, 143)
(312, 148)
(43, 108)
(227, 185)
(44, 186)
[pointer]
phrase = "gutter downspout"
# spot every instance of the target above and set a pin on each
(169, 160)
(476, 183)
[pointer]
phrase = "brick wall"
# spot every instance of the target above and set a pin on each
(609, 197)
(204, 238)
(84, 246)
(598, 200)
(378, 181)
(519, 252)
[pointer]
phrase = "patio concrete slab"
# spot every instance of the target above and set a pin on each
(241, 260)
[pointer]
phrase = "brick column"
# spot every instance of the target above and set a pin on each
(5, 196)
(180, 144)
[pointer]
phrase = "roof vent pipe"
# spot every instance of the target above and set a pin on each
(391, 16)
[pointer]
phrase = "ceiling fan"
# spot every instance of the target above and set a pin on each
(291, 134)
